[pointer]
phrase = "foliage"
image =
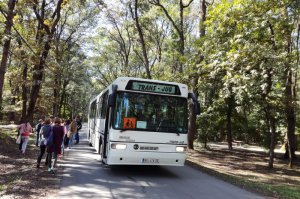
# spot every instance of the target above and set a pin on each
(241, 61)
(240, 50)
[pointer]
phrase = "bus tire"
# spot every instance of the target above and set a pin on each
(100, 143)
(89, 139)
(101, 152)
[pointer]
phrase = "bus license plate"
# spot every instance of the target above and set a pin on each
(150, 160)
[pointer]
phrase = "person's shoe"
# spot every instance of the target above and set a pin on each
(38, 166)
(52, 171)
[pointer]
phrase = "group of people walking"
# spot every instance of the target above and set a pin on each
(52, 136)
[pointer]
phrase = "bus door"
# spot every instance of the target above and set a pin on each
(92, 117)
(110, 104)
(103, 126)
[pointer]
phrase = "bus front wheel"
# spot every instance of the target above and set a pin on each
(101, 151)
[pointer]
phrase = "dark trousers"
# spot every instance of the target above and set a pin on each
(42, 152)
(77, 137)
(66, 141)
(20, 145)
(37, 139)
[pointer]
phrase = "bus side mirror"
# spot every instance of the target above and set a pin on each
(112, 96)
(196, 105)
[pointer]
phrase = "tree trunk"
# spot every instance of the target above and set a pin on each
(191, 127)
(14, 92)
(142, 40)
(63, 99)
(37, 81)
(6, 46)
(270, 119)
(290, 114)
(55, 104)
(230, 106)
(272, 129)
(181, 37)
(228, 128)
(24, 93)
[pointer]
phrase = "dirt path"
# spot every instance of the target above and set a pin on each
(19, 177)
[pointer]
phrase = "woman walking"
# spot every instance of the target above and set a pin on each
(25, 131)
(71, 133)
(55, 149)
(43, 135)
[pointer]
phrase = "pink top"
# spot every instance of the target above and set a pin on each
(25, 129)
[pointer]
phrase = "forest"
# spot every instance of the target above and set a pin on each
(240, 58)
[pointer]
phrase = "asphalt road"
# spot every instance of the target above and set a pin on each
(85, 177)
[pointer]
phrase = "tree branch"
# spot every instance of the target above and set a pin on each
(57, 11)
(4, 13)
(157, 3)
(39, 17)
(187, 5)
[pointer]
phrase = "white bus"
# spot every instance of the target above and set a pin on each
(140, 122)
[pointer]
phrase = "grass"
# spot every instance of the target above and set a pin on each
(279, 191)
(232, 167)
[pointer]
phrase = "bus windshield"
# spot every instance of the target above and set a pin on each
(148, 112)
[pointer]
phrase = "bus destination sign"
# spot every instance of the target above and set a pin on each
(151, 87)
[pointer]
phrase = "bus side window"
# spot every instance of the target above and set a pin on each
(99, 106)
(104, 105)
(93, 111)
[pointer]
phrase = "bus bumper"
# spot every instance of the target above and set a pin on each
(123, 157)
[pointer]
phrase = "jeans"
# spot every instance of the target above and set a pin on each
(25, 140)
(77, 136)
(50, 166)
(71, 140)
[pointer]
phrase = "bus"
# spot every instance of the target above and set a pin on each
(138, 121)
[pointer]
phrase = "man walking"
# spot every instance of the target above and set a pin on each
(79, 126)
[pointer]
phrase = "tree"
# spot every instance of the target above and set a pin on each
(135, 16)
(45, 33)
(194, 76)
(250, 45)
(68, 38)
(178, 27)
(9, 15)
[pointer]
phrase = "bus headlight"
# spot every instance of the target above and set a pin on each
(118, 146)
(180, 149)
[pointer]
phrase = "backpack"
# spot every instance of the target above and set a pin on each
(49, 139)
